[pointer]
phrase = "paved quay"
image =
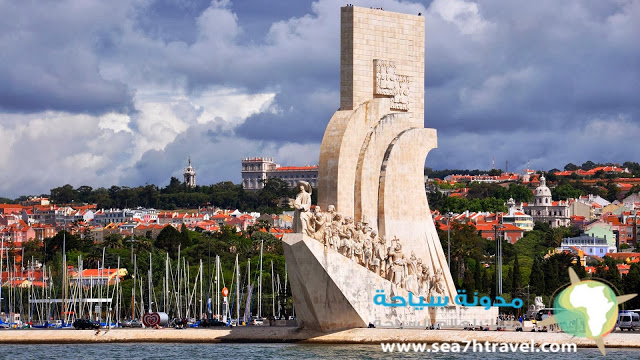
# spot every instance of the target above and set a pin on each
(288, 334)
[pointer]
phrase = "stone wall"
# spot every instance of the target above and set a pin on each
(372, 34)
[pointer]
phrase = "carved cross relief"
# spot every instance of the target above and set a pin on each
(388, 83)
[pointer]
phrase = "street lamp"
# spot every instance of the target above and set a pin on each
(498, 259)
(449, 215)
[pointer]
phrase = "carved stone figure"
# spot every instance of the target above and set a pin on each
(389, 258)
(399, 266)
(320, 226)
(358, 243)
(301, 206)
(336, 229)
(436, 285)
(330, 214)
(412, 264)
(347, 234)
(367, 250)
(379, 249)
(411, 281)
(425, 281)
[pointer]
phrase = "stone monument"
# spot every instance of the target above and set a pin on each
(379, 235)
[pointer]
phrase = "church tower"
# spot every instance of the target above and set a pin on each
(190, 175)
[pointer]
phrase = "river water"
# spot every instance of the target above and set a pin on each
(131, 351)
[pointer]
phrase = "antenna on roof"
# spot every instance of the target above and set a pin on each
(493, 163)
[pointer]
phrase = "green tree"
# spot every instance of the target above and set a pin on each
(113, 241)
(520, 193)
(536, 279)
(516, 279)
(608, 270)
(469, 283)
(64, 194)
(613, 192)
(478, 277)
(186, 236)
(507, 282)
(566, 191)
(33, 249)
(571, 167)
(551, 269)
(84, 193)
(631, 285)
(174, 186)
(169, 239)
(55, 244)
(465, 244)
(588, 165)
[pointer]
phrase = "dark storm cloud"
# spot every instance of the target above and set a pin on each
(515, 80)
(48, 60)
(534, 65)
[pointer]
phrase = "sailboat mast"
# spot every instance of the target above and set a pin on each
(64, 269)
(237, 290)
(260, 284)
(133, 290)
(248, 286)
(118, 292)
(150, 283)
(178, 293)
(200, 288)
(273, 293)
(218, 286)
(1, 257)
(166, 285)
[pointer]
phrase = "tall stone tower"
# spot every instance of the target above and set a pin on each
(190, 175)
(374, 148)
(371, 169)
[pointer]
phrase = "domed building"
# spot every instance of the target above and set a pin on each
(544, 209)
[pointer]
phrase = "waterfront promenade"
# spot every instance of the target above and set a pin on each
(290, 334)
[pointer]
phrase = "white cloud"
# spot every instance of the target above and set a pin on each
(465, 15)
(525, 80)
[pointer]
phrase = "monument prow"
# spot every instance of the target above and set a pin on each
(377, 233)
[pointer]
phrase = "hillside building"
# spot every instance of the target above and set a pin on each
(256, 170)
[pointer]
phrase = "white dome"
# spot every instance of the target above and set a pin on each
(543, 190)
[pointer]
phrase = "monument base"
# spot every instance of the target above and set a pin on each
(332, 292)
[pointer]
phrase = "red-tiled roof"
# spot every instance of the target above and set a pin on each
(289, 168)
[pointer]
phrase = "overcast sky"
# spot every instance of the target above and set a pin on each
(123, 92)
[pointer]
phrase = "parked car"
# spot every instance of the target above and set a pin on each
(628, 320)
(211, 322)
(84, 324)
(131, 324)
(257, 321)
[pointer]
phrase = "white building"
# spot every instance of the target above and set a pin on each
(145, 215)
(590, 245)
(517, 217)
(256, 170)
(105, 217)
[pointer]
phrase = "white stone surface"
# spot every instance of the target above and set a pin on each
(371, 168)
(331, 292)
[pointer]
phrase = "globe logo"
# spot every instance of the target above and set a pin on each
(587, 309)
